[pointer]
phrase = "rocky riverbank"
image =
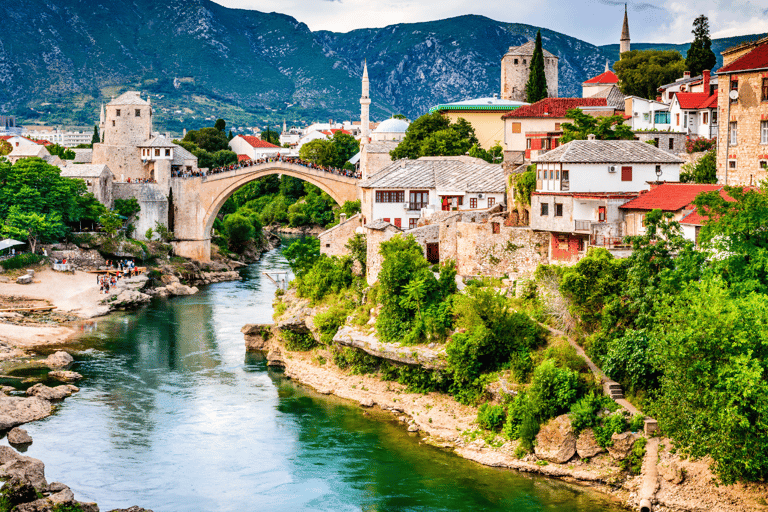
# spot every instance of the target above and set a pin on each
(679, 484)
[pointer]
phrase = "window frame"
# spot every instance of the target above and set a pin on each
(544, 210)
(626, 173)
(733, 134)
(558, 210)
(763, 132)
(472, 203)
(491, 201)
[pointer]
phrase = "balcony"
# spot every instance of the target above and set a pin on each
(582, 225)
(417, 206)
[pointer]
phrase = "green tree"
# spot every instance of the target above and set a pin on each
(220, 125)
(95, 139)
(271, 136)
(495, 155)
(5, 147)
(642, 72)
(111, 222)
(61, 152)
(700, 55)
(602, 127)
(536, 88)
(239, 229)
(346, 147)
(127, 207)
(435, 135)
(302, 254)
(320, 152)
(702, 171)
(208, 139)
(357, 246)
(399, 116)
(32, 226)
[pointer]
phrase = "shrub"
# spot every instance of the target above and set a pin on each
(299, 342)
(615, 423)
(21, 261)
(359, 362)
(637, 423)
(699, 144)
(634, 461)
(628, 361)
(328, 275)
(491, 417)
(553, 389)
(329, 321)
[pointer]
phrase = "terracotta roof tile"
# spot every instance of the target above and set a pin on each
(608, 77)
(669, 197)
(555, 107)
(257, 142)
(692, 99)
(755, 59)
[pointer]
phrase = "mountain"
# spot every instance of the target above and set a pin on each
(60, 59)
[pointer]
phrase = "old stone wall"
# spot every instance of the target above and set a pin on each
(374, 238)
(485, 250)
(668, 141)
(123, 161)
(152, 200)
(748, 112)
(80, 259)
(515, 70)
(127, 127)
(334, 240)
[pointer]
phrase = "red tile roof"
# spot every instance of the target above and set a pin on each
(609, 77)
(6, 137)
(694, 219)
(691, 99)
(240, 158)
(257, 142)
(555, 107)
(669, 197)
(756, 59)
(711, 102)
(43, 142)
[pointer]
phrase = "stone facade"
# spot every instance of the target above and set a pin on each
(333, 241)
(482, 251)
(668, 141)
(375, 234)
(515, 68)
(153, 202)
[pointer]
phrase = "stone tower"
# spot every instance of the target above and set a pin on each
(128, 120)
(516, 66)
(365, 103)
(624, 45)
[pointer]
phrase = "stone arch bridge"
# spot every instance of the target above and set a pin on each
(195, 201)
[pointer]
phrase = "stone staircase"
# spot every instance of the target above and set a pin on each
(613, 389)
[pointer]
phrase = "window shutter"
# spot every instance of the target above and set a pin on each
(626, 174)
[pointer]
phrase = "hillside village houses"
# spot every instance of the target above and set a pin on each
(248, 147)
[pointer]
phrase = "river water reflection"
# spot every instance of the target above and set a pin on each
(174, 416)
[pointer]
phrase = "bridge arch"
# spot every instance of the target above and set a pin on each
(201, 198)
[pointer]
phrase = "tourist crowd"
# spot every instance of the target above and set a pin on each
(121, 268)
(179, 173)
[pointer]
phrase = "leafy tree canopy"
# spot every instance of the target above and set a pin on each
(642, 72)
(700, 55)
(5, 147)
(320, 151)
(702, 171)
(220, 125)
(208, 139)
(603, 127)
(61, 152)
(271, 136)
(435, 135)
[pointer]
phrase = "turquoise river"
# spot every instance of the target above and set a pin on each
(173, 415)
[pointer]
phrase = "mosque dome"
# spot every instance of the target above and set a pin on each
(392, 126)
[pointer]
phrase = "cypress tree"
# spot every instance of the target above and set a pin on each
(700, 55)
(536, 88)
(95, 139)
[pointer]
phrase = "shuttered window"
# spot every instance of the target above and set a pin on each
(626, 174)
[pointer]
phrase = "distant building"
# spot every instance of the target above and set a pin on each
(601, 82)
(98, 180)
(8, 126)
(483, 115)
(254, 148)
(516, 66)
(66, 138)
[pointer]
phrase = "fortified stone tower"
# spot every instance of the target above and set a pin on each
(365, 103)
(624, 45)
(127, 126)
(516, 66)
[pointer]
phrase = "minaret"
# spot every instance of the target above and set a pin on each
(102, 120)
(365, 102)
(285, 130)
(624, 45)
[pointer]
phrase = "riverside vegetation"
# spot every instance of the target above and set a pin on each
(682, 329)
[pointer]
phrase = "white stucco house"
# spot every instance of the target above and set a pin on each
(249, 147)
(581, 185)
(403, 190)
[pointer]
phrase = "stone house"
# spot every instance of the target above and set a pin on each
(374, 156)
(334, 240)
(98, 180)
(254, 148)
(581, 185)
(742, 144)
(401, 191)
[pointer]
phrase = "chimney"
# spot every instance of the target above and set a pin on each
(591, 136)
(342, 218)
(705, 80)
(687, 74)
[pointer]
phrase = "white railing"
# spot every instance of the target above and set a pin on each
(582, 225)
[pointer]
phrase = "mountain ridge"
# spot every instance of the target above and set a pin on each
(199, 60)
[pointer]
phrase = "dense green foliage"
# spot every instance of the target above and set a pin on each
(703, 171)
(642, 72)
(684, 331)
(536, 87)
(700, 55)
(210, 146)
(494, 155)
(21, 261)
(435, 135)
(332, 152)
(127, 207)
(61, 152)
(603, 127)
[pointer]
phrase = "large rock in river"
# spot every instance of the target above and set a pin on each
(19, 436)
(58, 359)
(27, 469)
(586, 445)
(257, 336)
(52, 394)
(16, 410)
(556, 441)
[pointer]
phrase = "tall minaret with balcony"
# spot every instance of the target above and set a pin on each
(624, 43)
(365, 103)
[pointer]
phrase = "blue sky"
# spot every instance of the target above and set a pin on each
(595, 21)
